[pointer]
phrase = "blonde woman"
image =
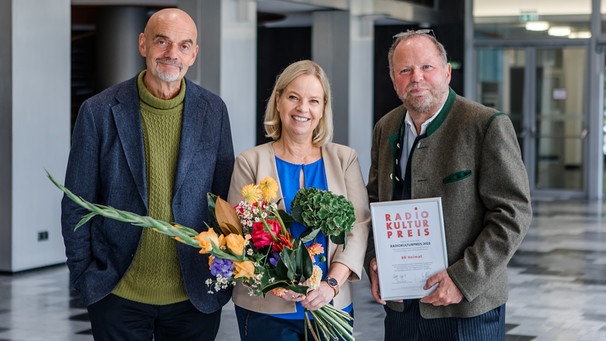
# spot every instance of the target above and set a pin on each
(298, 118)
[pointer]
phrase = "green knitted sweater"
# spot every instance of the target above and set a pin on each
(154, 276)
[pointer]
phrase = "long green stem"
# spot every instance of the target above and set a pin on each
(268, 230)
(181, 233)
(280, 221)
(331, 318)
(325, 326)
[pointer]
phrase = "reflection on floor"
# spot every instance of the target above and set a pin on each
(558, 288)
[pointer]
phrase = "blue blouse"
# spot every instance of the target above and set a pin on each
(314, 175)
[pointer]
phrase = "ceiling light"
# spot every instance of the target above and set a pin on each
(559, 31)
(537, 25)
(580, 35)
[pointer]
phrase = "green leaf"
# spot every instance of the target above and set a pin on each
(309, 235)
(287, 265)
(287, 219)
(217, 252)
(304, 260)
(295, 212)
(85, 219)
(301, 289)
(211, 208)
(340, 239)
(270, 287)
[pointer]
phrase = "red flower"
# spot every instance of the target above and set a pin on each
(284, 242)
(261, 237)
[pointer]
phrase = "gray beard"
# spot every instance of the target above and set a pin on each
(426, 105)
(167, 76)
(422, 107)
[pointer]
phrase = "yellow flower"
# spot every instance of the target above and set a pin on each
(251, 193)
(235, 243)
(313, 282)
(244, 269)
(269, 188)
(206, 240)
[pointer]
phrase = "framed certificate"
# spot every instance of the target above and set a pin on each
(410, 245)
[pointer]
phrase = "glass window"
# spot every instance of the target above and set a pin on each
(539, 19)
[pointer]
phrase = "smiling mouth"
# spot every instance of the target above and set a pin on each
(170, 62)
(415, 89)
(300, 119)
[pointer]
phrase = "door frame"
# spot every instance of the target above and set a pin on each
(528, 133)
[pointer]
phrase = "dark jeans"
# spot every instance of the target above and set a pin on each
(117, 319)
(410, 326)
(263, 327)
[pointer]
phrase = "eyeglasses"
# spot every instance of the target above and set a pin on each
(408, 33)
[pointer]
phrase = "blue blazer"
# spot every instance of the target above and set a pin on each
(107, 166)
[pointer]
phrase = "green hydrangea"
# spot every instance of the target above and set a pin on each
(323, 210)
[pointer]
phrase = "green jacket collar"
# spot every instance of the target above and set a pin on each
(434, 125)
(437, 122)
(394, 139)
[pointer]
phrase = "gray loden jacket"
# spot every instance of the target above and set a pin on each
(470, 158)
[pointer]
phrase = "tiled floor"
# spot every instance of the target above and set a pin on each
(558, 288)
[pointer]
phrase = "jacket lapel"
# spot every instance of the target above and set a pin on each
(192, 135)
(127, 115)
(395, 143)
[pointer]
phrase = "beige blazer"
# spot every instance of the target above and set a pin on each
(344, 177)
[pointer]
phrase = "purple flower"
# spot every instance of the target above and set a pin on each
(275, 257)
(223, 267)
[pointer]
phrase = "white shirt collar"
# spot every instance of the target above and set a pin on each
(411, 125)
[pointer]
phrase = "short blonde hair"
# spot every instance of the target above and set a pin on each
(273, 125)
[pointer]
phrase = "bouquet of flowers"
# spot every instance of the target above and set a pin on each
(253, 244)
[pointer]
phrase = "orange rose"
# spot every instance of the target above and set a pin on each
(206, 240)
(235, 243)
(244, 269)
